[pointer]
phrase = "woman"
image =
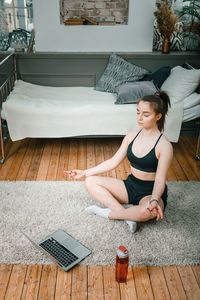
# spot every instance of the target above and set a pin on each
(150, 155)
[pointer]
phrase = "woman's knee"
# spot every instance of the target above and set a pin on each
(90, 182)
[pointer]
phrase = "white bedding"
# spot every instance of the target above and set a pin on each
(191, 113)
(39, 111)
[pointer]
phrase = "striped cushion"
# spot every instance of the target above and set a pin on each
(118, 71)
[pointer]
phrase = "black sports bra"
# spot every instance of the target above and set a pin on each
(147, 163)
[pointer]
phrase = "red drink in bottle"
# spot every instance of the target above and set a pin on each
(121, 268)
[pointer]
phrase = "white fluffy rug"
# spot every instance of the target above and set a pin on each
(39, 208)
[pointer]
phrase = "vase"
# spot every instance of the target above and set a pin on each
(166, 45)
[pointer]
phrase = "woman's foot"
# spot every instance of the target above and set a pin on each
(132, 225)
(96, 210)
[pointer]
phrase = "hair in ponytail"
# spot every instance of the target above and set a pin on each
(160, 102)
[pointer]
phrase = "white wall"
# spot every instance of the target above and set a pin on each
(51, 36)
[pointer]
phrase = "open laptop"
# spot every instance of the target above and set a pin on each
(62, 249)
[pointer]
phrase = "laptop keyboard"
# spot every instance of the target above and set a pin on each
(60, 253)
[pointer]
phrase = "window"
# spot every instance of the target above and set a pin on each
(16, 14)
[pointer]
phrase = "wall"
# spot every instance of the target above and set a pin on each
(51, 36)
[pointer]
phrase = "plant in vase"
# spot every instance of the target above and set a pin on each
(167, 22)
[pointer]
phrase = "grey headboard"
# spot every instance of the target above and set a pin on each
(84, 69)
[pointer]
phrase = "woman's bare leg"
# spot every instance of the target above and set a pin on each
(112, 193)
(137, 213)
(109, 191)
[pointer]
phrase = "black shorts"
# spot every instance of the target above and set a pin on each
(137, 189)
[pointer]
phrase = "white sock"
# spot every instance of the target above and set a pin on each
(96, 210)
(132, 225)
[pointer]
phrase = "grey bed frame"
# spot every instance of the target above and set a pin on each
(77, 69)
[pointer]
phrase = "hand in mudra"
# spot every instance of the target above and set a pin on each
(155, 209)
(74, 174)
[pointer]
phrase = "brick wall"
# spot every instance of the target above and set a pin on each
(98, 10)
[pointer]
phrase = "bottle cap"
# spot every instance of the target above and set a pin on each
(122, 252)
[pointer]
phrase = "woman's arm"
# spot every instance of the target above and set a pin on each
(105, 166)
(164, 162)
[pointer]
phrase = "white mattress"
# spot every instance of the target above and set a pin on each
(39, 111)
(191, 113)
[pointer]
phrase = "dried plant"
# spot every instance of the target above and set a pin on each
(166, 19)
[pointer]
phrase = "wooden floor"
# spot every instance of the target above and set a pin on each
(45, 159)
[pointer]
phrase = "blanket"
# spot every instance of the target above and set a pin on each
(52, 112)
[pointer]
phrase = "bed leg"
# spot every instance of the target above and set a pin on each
(197, 149)
(2, 160)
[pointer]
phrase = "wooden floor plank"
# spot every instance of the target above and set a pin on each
(45, 159)
(111, 287)
(120, 169)
(14, 169)
(25, 165)
(95, 283)
(79, 283)
(32, 282)
(9, 160)
(47, 283)
(16, 283)
(54, 161)
(99, 153)
(196, 270)
(192, 145)
(64, 159)
(142, 283)
(178, 170)
(174, 283)
(179, 154)
(189, 282)
(63, 285)
(108, 153)
(5, 272)
(73, 154)
(35, 163)
(171, 176)
(91, 162)
(158, 283)
(128, 290)
(190, 157)
(82, 155)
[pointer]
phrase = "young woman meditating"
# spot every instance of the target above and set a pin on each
(150, 155)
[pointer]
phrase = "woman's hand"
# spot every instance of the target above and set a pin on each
(155, 209)
(75, 174)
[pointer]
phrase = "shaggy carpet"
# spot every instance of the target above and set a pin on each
(39, 208)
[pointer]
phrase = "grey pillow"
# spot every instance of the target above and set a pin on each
(118, 71)
(130, 92)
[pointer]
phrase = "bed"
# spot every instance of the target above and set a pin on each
(36, 111)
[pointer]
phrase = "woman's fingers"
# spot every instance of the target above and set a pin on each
(74, 174)
(156, 211)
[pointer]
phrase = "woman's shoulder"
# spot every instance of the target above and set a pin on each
(130, 135)
(165, 143)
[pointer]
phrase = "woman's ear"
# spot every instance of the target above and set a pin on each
(158, 116)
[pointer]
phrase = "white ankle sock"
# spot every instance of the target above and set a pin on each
(132, 225)
(96, 210)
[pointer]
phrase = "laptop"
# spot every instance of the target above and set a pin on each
(62, 249)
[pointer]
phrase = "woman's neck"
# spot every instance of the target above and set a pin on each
(150, 131)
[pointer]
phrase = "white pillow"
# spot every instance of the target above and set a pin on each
(181, 82)
(191, 100)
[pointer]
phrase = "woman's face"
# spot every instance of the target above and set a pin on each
(146, 116)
